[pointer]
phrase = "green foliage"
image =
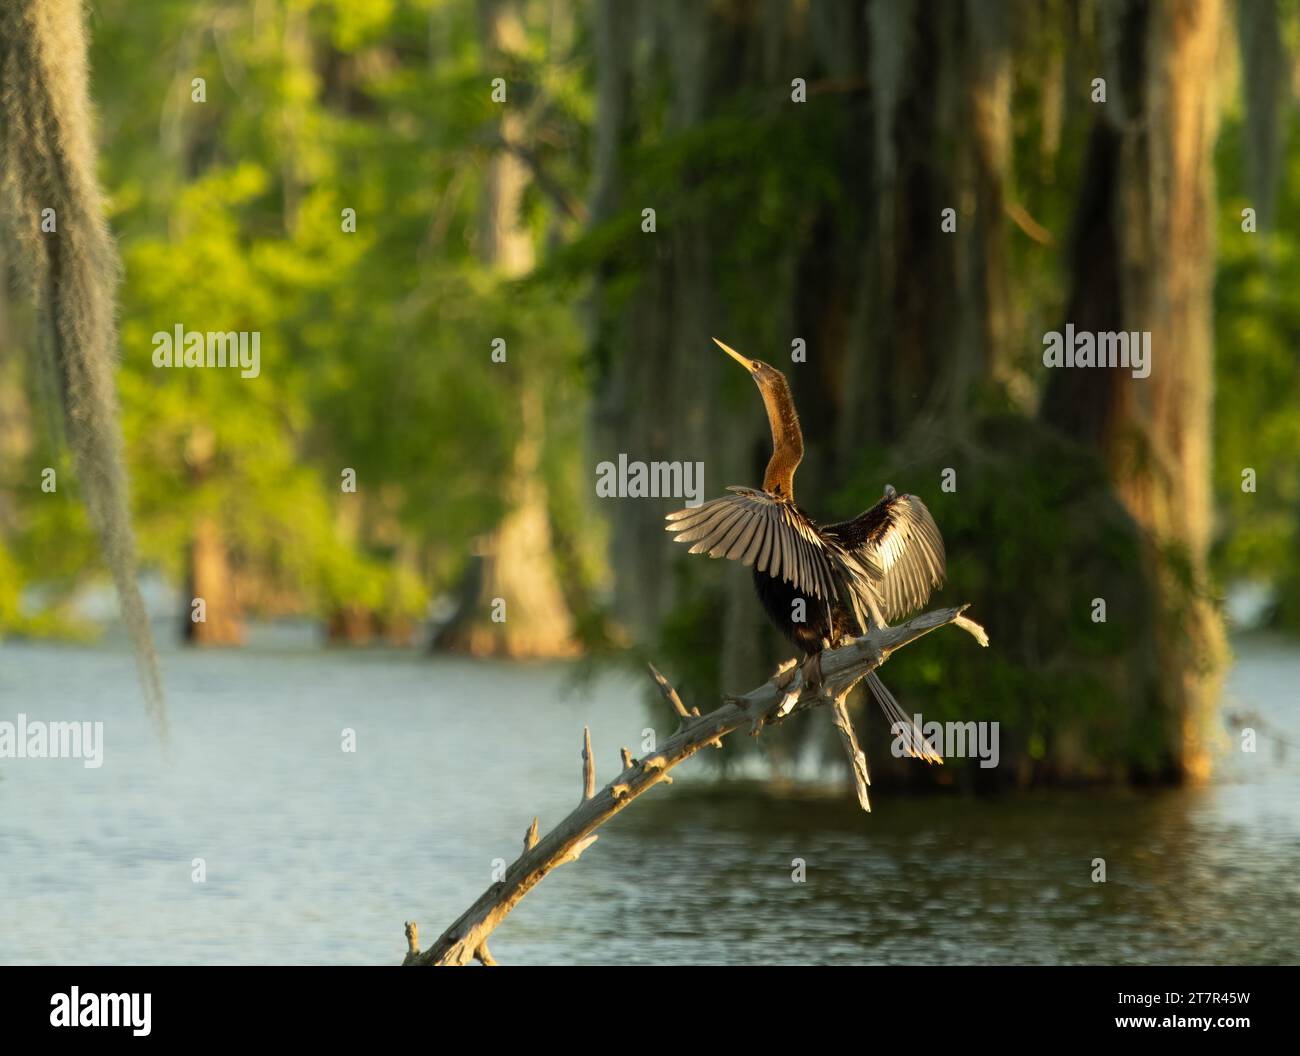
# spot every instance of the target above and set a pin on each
(1257, 369)
(375, 343)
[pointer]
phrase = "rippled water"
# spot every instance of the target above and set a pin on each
(314, 855)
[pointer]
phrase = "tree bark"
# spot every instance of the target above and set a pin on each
(517, 561)
(515, 566)
(210, 579)
(1143, 260)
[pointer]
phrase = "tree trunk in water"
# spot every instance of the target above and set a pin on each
(515, 606)
(209, 579)
(1143, 260)
(910, 326)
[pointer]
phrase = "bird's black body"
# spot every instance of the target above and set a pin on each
(822, 624)
(819, 583)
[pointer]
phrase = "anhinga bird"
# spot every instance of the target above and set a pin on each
(850, 576)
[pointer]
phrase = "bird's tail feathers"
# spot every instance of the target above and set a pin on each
(900, 723)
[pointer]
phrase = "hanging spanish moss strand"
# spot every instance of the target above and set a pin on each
(47, 162)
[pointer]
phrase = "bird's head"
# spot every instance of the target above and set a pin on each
(787, 438)
(764, 375)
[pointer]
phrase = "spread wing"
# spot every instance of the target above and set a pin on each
(761, 530)
(900, 546)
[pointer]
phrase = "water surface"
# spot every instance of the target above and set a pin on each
(314, 855)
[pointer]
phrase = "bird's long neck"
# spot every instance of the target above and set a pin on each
(787, 439)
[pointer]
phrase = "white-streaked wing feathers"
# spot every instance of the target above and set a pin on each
(758, 529)
(899, 544)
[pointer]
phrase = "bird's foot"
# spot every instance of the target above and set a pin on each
(812, 673)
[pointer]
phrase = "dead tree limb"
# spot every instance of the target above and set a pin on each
(857, 758)
(771, 703)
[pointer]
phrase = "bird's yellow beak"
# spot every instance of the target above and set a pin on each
(748, 364)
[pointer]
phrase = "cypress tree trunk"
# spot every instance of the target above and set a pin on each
(209, 579)
(208, 575)
(516, 562)
(910, 325)
(1143, 260)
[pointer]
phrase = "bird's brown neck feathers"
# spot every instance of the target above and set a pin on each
(787, 439)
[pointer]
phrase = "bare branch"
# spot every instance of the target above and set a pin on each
(841, 668)
(857, 758)
(1020, 216)
(588, 765)
(973, 629)
(412, 941)
(669, 693)
(574, 852)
